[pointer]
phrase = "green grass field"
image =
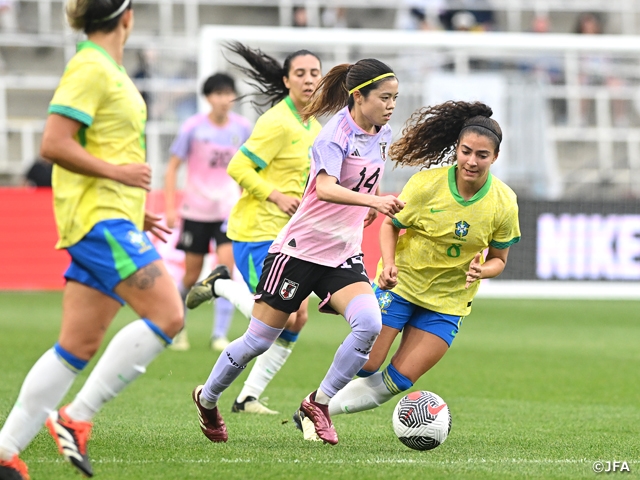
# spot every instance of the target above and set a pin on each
(538, 389)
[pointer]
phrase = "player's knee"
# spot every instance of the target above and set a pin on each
(259, 337)
(257, 345)
(171, 321)
(363, 314)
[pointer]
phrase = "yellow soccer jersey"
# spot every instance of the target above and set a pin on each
(98, 93)
(444, 233)
(279, 151)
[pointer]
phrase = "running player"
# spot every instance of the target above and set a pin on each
(206, 143)
(319, 250)
(428, 277)
(95, 136)
(272, 167)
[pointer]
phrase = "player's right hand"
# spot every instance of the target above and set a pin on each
(287, 204)
(389, 205)
(388, 277)
(134, 175)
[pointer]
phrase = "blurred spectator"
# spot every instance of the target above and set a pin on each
(596, 70)
(547, 69)
(420, 14)
(334, 17)
(9, 15)
(39, 174)
(588, 23)
(481, 11)
(300, 17)
(463, 21)
(143, 72)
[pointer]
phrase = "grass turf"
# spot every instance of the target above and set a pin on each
(537, 389)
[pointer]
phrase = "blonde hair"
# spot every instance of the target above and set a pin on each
(75, 11)
(90, 16)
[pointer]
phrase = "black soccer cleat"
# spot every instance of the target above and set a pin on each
(203, 291)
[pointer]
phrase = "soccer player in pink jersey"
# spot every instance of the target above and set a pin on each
(206, 143)
(319, 250)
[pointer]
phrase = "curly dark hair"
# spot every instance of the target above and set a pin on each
(431, 134)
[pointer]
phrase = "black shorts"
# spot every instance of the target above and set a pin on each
(196, 236)
(287, 281)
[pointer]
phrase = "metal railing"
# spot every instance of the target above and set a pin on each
(564, 139)
(625, 11)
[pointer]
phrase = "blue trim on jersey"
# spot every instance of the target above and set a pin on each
(503, 245)
(69, 359)
(156, 329)
(289, 336)
(253, 157)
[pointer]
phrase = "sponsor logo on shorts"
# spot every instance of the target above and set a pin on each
(384, 301)
(288, 289)
(139, 239)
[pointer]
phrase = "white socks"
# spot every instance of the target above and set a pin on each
(124, 360)
(43, 389)
(237, 294)
(360, 394)
(265, 368)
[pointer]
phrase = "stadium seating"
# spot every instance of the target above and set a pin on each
(581, 120)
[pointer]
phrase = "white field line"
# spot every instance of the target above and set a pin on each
(373, 461)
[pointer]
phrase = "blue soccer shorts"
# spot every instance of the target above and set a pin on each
(398, 312)
(112, 251)
(249, 257)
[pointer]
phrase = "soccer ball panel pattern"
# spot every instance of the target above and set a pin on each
(421, 420)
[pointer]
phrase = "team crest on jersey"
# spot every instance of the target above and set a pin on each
(383, 150)
(139, 240)
(384, 300)
(462, 228)
(288, 289)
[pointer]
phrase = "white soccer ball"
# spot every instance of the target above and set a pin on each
(421, 420)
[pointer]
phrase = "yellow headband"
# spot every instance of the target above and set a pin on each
(369, 82)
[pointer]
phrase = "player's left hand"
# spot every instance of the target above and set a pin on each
(152, 224)
(475, 271)
(371, 217)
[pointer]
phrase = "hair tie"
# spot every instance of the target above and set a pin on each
(121, 9)
(499, 137)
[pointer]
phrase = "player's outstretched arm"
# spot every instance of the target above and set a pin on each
(328, 190)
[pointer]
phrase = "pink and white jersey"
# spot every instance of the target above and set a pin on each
(327, 233)
(210, 192)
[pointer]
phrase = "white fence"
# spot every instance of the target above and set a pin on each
(535, 161)
(563, 137)
(185, 16)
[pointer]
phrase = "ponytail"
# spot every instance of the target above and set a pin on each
(335, 90)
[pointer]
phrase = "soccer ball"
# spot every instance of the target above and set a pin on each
(421, 420)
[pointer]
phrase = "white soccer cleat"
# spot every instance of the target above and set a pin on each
(252, 405)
